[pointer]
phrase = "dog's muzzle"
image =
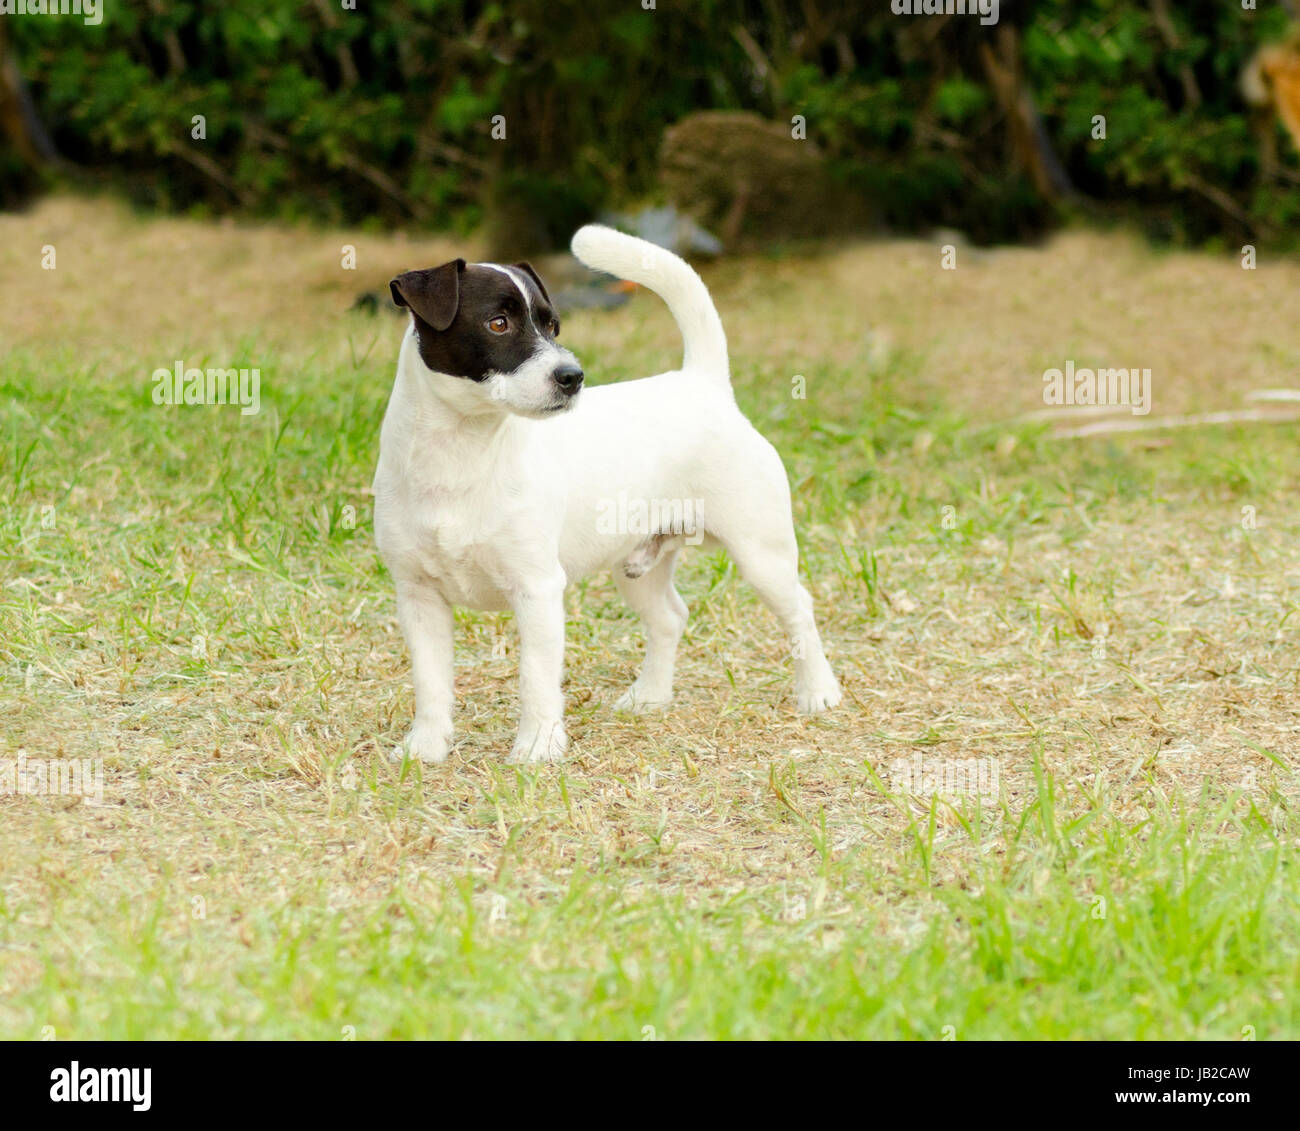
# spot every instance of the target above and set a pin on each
(568, 378)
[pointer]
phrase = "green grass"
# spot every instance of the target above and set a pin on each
(1177, 924)
(203, 616)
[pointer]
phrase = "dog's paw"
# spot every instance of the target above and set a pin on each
(639, 701)
(428, 742)
(544, 743)
(818, 697)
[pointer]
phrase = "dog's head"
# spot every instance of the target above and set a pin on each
(493, 327)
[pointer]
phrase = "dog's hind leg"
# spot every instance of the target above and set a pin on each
(769, 561)
(655, 600)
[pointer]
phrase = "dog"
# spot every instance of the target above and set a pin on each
(495, 467)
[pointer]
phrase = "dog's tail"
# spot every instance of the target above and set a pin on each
(672, 279)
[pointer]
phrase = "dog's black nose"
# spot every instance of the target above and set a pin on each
(569, 378)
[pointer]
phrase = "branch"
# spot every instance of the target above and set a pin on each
(210, 169)
(1165, 25)
(1197, 420)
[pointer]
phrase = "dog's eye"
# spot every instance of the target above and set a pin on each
(554, 328)
(498, 325)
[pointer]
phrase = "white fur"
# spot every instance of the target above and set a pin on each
(478, 503)
(513, 275)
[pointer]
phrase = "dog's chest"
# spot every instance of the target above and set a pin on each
(460, 546)
(461, 550)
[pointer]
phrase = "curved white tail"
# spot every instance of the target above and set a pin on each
(673, 280)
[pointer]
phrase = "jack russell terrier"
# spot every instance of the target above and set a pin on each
(494, 468)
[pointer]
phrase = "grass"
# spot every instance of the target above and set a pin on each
(194, 597)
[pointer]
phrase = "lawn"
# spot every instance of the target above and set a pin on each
(1104, 625)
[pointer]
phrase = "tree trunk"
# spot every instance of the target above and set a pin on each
(19, 126)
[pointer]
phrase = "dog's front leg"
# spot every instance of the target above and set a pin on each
(426, 621)
(539, 611)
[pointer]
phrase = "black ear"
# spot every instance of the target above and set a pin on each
(433, 294)
(528, 267)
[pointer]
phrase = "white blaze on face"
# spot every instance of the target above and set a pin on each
(518, 281)
(530, 390)
(514, 276)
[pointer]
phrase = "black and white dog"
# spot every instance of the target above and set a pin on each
(498, 477)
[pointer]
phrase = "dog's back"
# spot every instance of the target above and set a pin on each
(676, 440)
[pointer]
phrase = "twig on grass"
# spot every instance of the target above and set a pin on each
(1192, 420)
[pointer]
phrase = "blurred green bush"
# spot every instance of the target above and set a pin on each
(384, 114)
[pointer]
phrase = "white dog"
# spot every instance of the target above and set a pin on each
(499, 484)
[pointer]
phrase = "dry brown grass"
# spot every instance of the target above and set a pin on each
(232, 782)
